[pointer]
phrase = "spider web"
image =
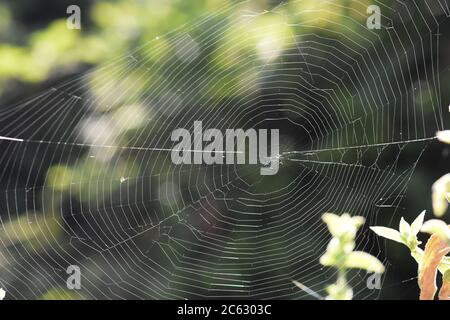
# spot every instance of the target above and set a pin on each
(89, 180)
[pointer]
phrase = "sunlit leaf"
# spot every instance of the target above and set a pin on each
(439, 197)
(365, 261)
(387, 233)
(405, 228)
(444, 136)
(343, 225)
(417, 224)
(437, 227)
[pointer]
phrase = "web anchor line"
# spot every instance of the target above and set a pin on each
(376, 145)
(89, 145)
(283, 154)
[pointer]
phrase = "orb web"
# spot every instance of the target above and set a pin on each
(90, 181)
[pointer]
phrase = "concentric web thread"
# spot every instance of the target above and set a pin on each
(90, 181)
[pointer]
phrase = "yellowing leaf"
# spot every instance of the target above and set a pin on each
(435, 251)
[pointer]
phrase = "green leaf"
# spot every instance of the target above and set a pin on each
(446, 276)
(365, 261)
(417, 224)
(440, 198)
(405, 228)
(328, 260)
(332, 221)
(344, 225)
(387, 233)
